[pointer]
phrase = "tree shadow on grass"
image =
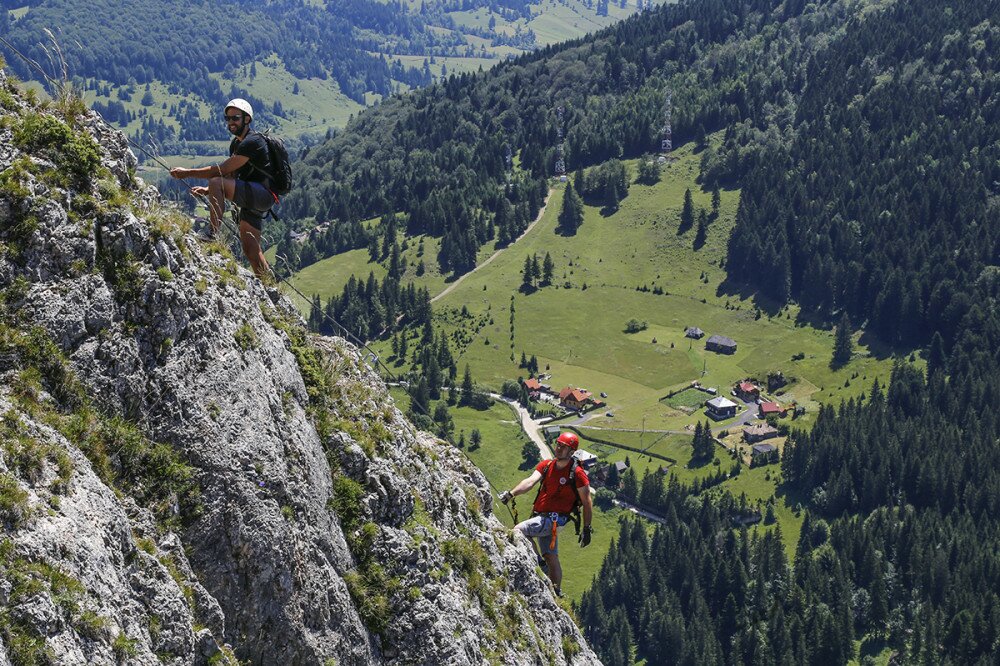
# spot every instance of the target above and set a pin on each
(744, 291)
(699, 463)
(882, 350)
(792, 496)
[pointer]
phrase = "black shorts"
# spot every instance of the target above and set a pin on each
(254, 201)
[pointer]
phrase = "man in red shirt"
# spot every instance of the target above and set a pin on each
(564, 485)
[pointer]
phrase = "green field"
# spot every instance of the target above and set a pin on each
(599, 271)
(317, 106)
(576, 329)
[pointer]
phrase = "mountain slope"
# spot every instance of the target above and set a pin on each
(183, 471)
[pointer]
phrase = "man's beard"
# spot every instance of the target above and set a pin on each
(239, 130)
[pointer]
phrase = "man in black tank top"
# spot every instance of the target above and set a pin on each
(242, 179)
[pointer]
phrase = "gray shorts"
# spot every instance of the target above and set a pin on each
(540, 528)
(254, 201)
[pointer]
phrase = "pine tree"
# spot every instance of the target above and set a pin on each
(467, 387)
(937, 358)
(571, 215)
(630, 485)
(612, 197)
(843, 346)
(702, 233)
(548, 267)
(527, 276)
(687, 212)
(716, 201)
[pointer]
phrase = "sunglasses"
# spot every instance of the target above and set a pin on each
(234, 119)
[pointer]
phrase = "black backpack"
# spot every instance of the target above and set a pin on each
(281, 168)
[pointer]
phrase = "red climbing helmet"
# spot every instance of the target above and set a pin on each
(569, 439)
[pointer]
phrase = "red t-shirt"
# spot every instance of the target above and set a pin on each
(556, 495)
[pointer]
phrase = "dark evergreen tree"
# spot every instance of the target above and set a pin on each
(843, 345)
(548, 267)
(701, 234)
(571, 215)
(468, 389)
(687, 212)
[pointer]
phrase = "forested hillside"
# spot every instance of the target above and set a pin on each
(179, 42)
(438, 155)
(896, 135)
(159, 68)
(863, 136)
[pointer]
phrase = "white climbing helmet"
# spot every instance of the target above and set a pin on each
(242, 105)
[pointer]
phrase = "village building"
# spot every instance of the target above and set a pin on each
(694, 332)
(721, 344)
(746, 519)
(747, 391)
(585, 458)
(771, 409)
(551, 432)
(532, 384)
(761, 454)
(759, 432)
(721, 408)
(535, 388)
(575, 398)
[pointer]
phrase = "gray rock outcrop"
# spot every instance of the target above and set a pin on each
(187, 476)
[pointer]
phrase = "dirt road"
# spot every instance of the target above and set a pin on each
(493, 256)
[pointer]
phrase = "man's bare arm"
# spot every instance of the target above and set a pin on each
(226, 168)
(527, 483)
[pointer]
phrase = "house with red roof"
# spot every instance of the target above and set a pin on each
(574, 398)
(747, 391)
(532, 384)
(771, 408)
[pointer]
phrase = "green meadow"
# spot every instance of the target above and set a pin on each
(629, 264)
(606, 275)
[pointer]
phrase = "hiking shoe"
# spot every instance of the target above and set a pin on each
(543, 565)
(558, 591)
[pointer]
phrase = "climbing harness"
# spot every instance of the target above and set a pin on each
(574, 513)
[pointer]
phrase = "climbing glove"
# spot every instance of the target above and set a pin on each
(585, 536)
(506, 496)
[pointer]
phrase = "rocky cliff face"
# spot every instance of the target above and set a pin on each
(186, 476)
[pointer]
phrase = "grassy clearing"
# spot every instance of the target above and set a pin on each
(318, 105)
(328, 277)
(599, 270)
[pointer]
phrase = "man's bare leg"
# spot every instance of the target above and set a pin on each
(219, 190)
(250, 238)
